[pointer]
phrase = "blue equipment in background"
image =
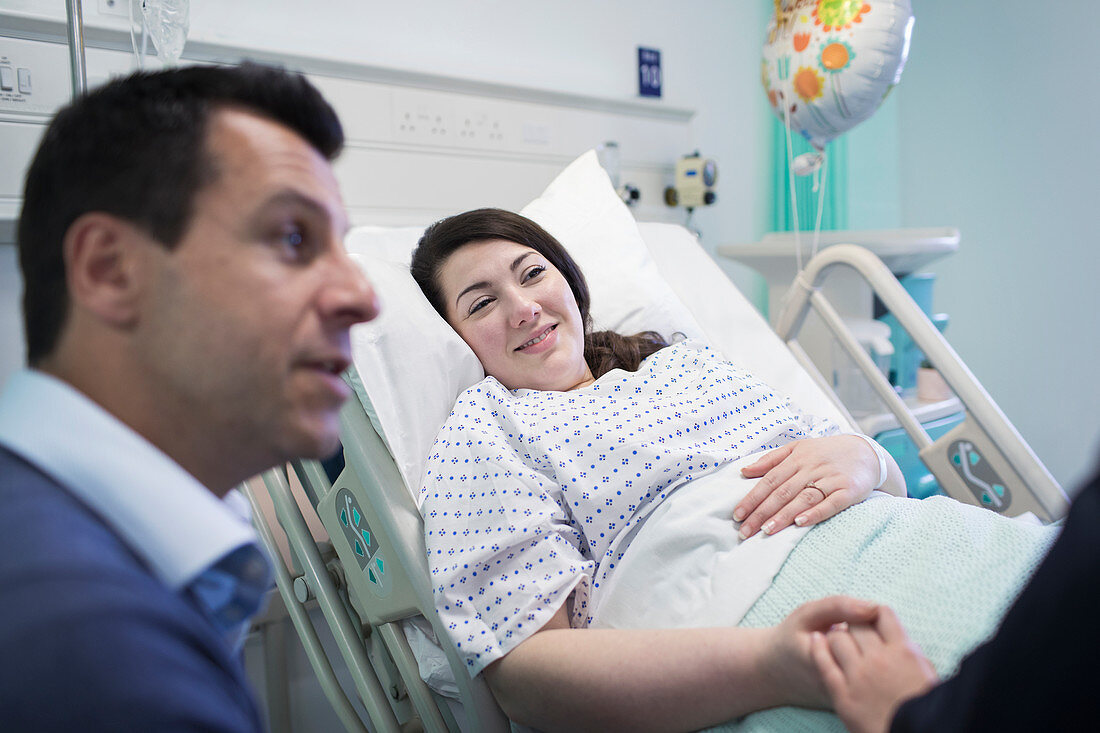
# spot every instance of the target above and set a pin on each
(907, 357)
(904, 365)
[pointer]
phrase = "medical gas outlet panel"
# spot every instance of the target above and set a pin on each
(695, 180)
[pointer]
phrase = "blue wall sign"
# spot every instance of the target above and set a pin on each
(649, 72)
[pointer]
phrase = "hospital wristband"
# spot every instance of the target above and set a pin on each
(883, 471)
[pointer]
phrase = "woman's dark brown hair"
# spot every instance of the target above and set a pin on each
(603, 350)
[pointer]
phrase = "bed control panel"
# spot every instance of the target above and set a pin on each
(363, 542)
(972, 469)
(984, 482)
(379, 591)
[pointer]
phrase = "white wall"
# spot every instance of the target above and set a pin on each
(997, 136)
(710, 60)
(710, 57)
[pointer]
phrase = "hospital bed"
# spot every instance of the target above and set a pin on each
(370, 576)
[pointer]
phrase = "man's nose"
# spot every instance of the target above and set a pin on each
(348, 297)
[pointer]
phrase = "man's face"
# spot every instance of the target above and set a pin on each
(246, 329)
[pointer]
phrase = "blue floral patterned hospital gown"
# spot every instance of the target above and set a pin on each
(527, 494)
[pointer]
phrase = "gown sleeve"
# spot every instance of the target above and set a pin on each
(503, 549)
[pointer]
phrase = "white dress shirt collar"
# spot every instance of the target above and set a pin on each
(174, 523)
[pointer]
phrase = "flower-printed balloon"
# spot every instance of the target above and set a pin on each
(828, 64)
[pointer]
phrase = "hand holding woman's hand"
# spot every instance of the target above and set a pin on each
(869, 670)
(807, 482)
(794, 667)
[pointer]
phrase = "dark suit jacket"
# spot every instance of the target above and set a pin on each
(90, 640)
(1041, 671)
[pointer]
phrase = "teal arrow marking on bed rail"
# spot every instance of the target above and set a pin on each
(356, 517)
(344, 517)
(358, 548)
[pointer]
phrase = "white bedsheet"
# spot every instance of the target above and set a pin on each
(687, 566)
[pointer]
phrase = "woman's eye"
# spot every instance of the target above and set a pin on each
(533, 272)
(479, 304)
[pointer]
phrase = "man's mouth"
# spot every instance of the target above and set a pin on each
(334, 366)
(536, 339)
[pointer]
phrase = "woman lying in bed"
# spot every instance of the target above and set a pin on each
(549, 470)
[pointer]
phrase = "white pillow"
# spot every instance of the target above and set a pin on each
(412, 366)
(583, 212)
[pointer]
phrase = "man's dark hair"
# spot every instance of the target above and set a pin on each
(135, 148)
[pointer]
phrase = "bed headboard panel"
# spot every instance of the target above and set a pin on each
(415, 154)
(419, 146)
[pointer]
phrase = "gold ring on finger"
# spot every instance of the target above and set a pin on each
(812, 485)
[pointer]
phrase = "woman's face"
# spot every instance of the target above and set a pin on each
(517, 313)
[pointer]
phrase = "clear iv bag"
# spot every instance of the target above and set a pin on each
(167, 22)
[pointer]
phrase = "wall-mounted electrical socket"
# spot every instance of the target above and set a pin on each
(478, 128)
(456, 121)
(422, 120)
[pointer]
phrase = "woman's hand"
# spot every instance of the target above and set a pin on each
(869, 670)
(792, 662)
(807, 482)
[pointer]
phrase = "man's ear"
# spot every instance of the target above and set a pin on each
(103, 256)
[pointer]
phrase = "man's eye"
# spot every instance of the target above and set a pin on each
(293, 243)
(533, 272)
(292, 239)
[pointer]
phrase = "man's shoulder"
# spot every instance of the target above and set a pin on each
(59, 553)
(43, 523)
(89, 622)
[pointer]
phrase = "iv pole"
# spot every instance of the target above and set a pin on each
(76, 47)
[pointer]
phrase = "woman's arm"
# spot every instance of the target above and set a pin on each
(843, 470)
(667, 679)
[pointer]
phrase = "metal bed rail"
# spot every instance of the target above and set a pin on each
(377, 533)
(373, 477)
(984, 461)
(284, 581)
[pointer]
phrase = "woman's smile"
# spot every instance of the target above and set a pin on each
(542, 340)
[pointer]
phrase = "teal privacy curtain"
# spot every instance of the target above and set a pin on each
(834, 205)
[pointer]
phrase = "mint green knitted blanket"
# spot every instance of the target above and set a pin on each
(949, 570)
